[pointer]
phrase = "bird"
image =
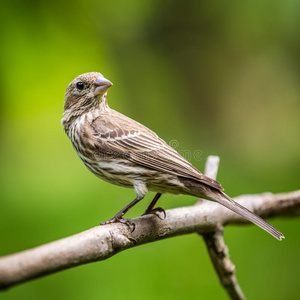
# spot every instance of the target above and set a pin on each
(126, 153)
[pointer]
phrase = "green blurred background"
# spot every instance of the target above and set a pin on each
(220, 77)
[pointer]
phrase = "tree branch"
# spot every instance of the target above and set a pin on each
(102, 242)
(217, 249)
(224, 267)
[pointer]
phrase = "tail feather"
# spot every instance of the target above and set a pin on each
(247, 214)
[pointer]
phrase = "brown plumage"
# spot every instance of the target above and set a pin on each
(124, 152)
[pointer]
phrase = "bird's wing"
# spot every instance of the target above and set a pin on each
(124, 137)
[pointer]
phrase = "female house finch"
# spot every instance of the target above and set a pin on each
(122, 151)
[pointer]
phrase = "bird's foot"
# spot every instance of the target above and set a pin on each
(117, 219)
(154, 211)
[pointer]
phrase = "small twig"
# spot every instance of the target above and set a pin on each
(216, 247)
(212, 166)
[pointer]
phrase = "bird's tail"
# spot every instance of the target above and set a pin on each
(226, 201)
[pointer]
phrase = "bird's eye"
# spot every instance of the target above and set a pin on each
(80, 85)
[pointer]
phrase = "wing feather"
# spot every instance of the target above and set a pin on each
(121, 135)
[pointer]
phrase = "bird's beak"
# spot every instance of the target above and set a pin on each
(102, 85)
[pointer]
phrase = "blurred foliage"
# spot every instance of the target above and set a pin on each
(221, 77)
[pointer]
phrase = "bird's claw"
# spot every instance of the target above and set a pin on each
(154, 211)
(115, 219)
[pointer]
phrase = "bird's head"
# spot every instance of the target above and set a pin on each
(86, 91)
